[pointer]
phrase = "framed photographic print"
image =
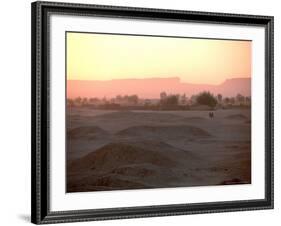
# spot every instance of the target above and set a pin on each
(141, 112)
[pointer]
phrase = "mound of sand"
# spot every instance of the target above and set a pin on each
(236, 117)
(116, 182)
(115, 155)
(193, 119)
(123, 165)
(138, 116)
(86, 132)
(142, 170)
(164, 132)
(104, 182)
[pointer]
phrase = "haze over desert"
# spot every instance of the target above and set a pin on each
(152, 87)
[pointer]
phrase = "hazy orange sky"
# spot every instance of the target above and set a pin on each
(107, 57)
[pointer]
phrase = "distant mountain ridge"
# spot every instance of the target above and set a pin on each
(152, 87)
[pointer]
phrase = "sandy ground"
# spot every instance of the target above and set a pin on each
(109, 150)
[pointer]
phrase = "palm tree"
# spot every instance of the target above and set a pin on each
(78, 100)
(240, 98)
(219, 98)
(163, 95)
(84, 100)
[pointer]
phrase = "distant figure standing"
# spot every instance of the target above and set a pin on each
(211, 114)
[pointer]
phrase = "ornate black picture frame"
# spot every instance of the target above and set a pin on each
(41, 212)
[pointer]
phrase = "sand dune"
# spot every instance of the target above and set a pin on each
(237, 117)
(130, 165)
(164, 132)
(193, 120)
(112, 122)
(86, 132)
(136, 116)
(113, 155)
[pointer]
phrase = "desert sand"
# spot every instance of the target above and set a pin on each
(110, 150)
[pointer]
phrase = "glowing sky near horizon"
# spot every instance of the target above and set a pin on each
(107, 57)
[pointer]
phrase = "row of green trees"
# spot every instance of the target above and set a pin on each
(172, 100)
(204, 98)
(132, 99)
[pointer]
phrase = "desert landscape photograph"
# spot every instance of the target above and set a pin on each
(148, 112)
